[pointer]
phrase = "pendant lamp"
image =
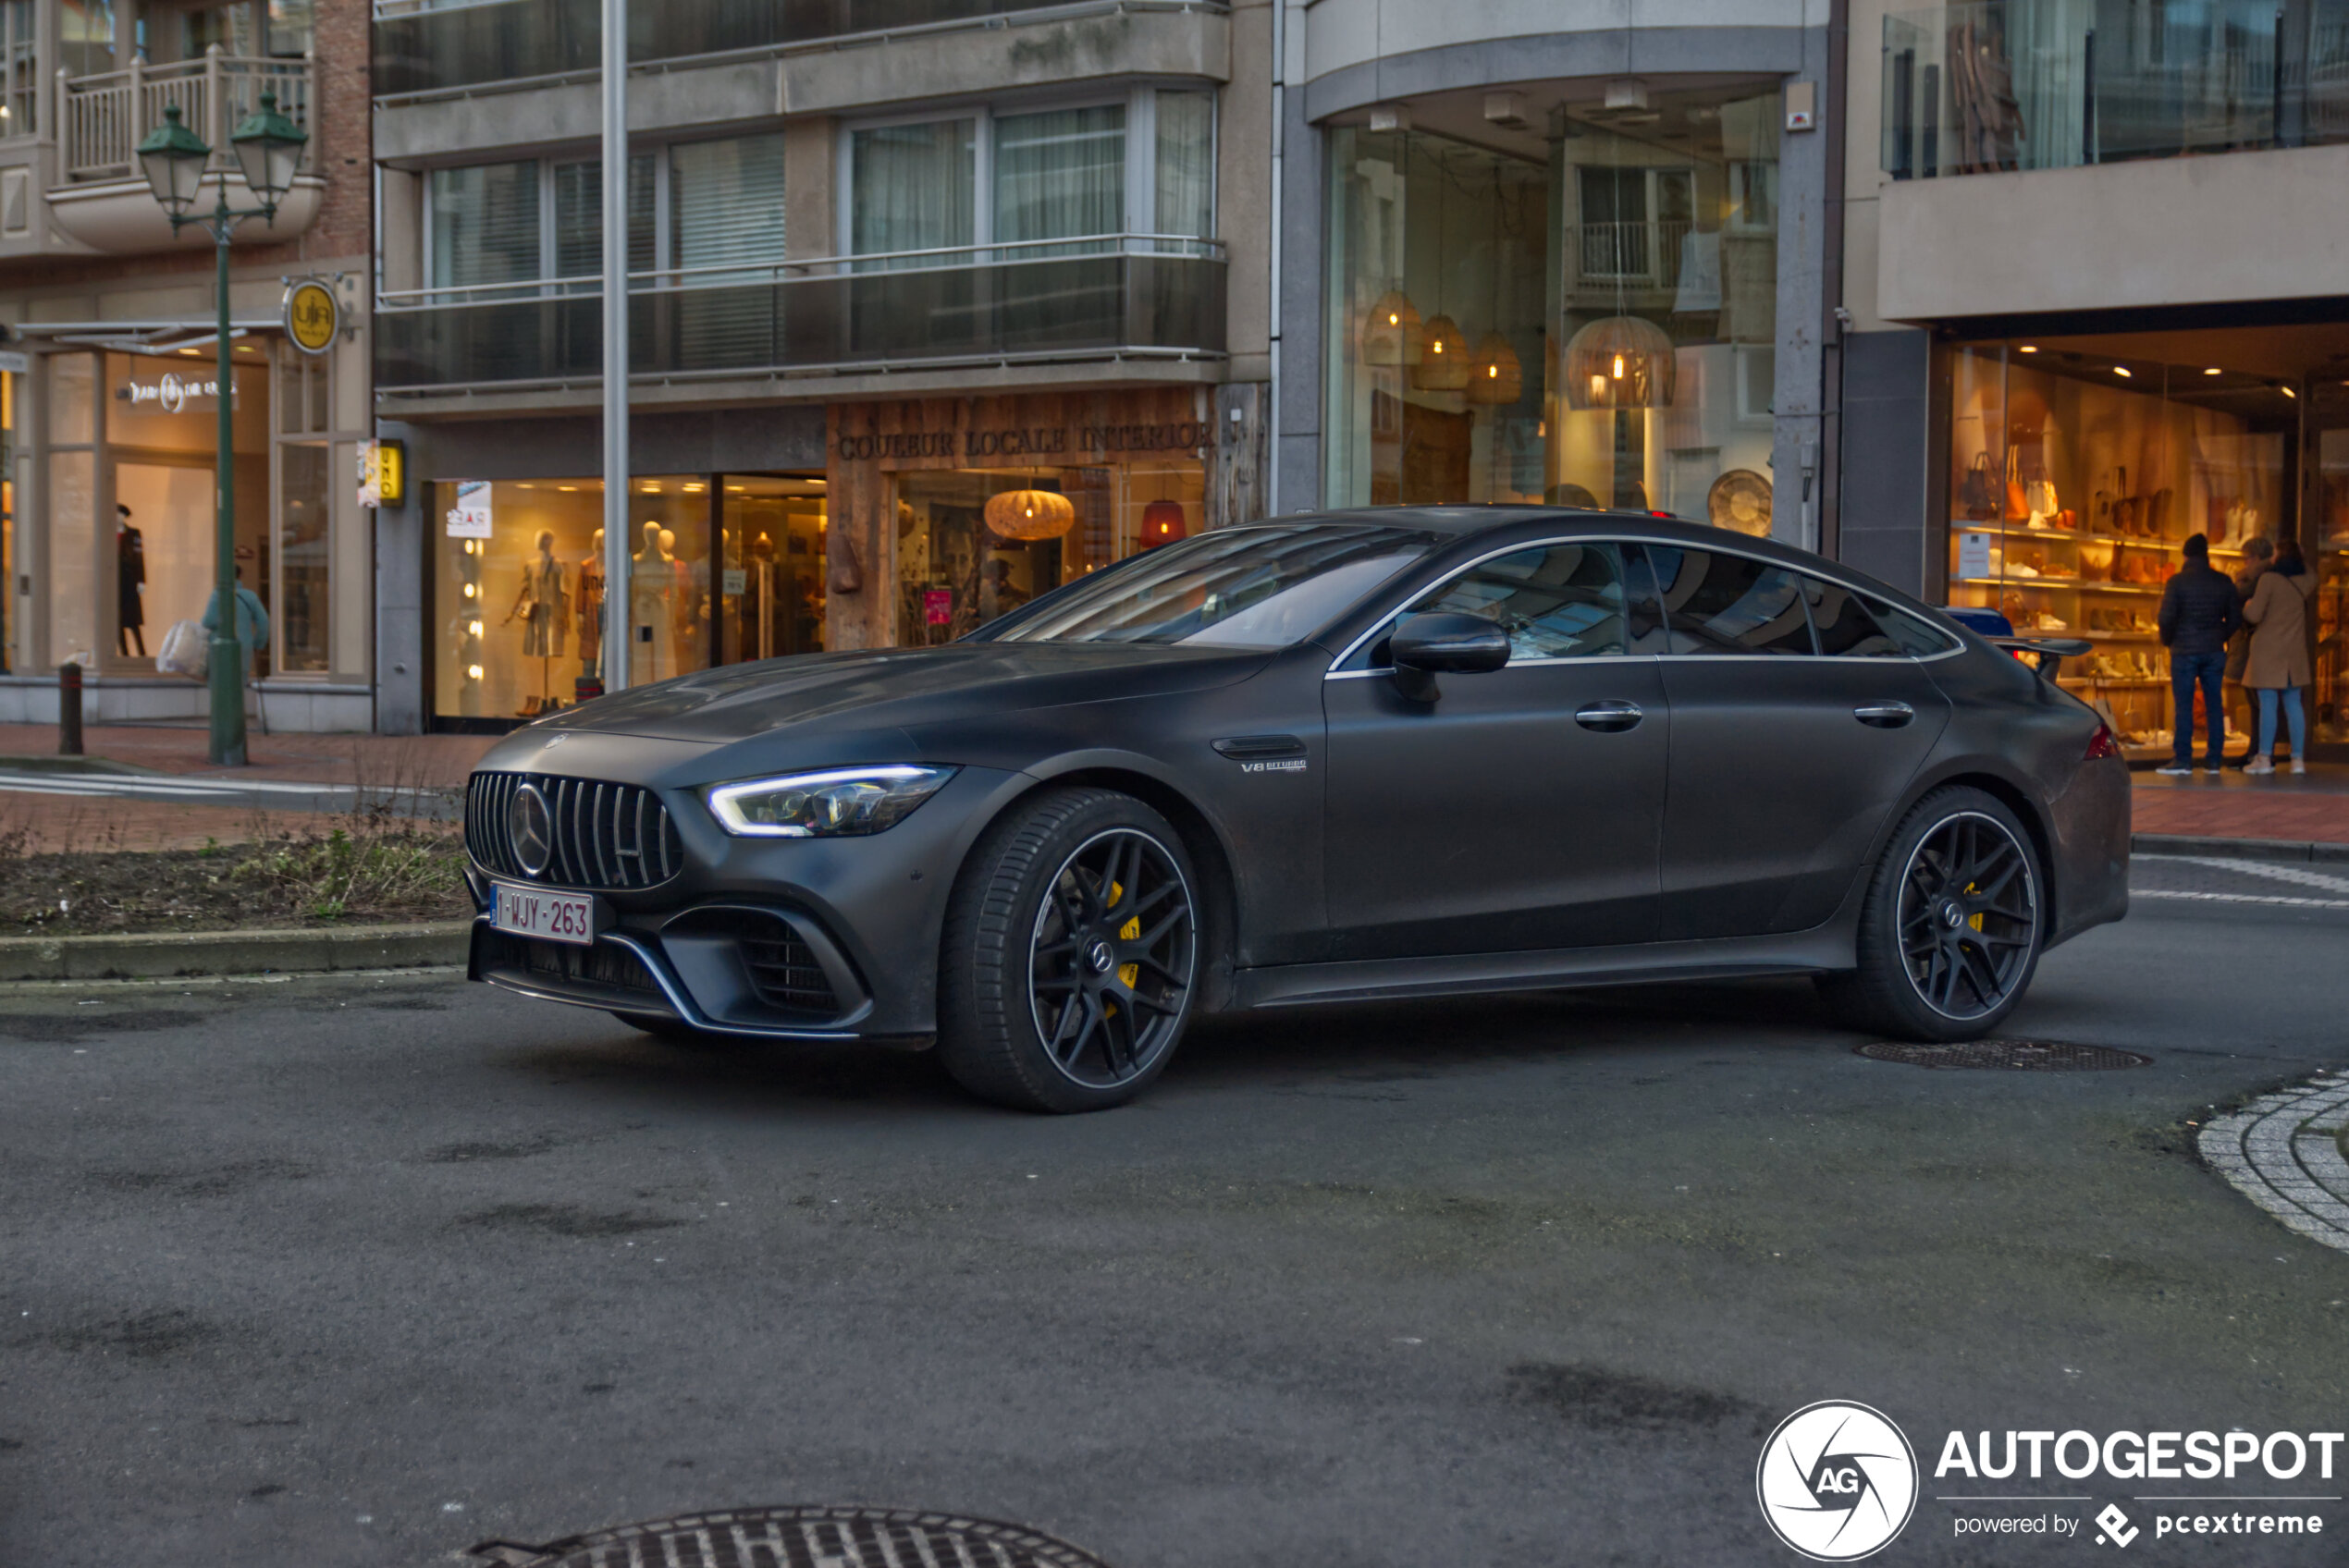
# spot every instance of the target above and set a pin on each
(1030, 514)
(1162, 523)
(1496, 378)
(1391, 335)
(1444, 358)
(1619, 362)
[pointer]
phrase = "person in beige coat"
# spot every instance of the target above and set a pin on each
(2278, 668)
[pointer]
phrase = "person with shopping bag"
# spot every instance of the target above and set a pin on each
(2278, 668)
(252, 621)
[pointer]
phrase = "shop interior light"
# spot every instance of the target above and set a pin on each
(1619, 362)
(472, 672)
(1163, 523)
(1496, 377)
(1030, 514)
(1444, 357)
(567, 488)
(2028, 348)
(2120, 371)
(1391, 335)
(2214, 370)
(2288, 392)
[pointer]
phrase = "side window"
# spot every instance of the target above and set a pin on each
(1846, 627)
(1719, 603)
(1919, 638)
(1555, 601)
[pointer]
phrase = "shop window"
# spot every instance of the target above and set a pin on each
(772, 590)
(73, 499)
(305, 559)
(1595, 326)
(2075, 477)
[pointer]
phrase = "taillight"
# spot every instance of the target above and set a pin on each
(2102, 744)
(2024, 655)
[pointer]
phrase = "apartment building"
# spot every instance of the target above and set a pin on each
(2092, 267)
(107, 389)
(934, 304)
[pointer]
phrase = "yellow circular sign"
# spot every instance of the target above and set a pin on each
(312, 316)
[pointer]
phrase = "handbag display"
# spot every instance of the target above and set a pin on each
(2018, 506)
(1976, 496)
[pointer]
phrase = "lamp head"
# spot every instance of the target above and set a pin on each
(268, 150)
(173, 158)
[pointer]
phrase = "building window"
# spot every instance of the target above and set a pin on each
(1027, 178)
(483, 225)
(1595, 326)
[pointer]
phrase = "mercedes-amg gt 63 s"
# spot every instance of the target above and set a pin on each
(1391, 753)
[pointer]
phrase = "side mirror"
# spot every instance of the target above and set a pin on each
(1443, 643)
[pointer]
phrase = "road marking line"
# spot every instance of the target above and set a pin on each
(2268, 869)
(2239, 897)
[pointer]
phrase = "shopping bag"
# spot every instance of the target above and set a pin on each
(186, 651)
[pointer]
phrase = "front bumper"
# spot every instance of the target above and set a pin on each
(785, 938)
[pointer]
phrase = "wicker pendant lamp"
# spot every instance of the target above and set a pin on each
(1391, 335)
(1619, 362)
(1029, 514)
(1444, 360)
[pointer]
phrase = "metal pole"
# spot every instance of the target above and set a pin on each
(618, 622)
(228, 664)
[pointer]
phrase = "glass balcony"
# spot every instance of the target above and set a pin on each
(1993, 85)
(1130, 294)
(421, 47)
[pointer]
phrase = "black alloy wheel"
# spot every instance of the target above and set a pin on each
(1111, 960)
(1969, 917)
(1952, 926)
(1071, 954)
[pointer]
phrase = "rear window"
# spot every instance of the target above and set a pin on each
(1718, 603)
(1846, 628)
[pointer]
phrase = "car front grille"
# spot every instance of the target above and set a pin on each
(604, 965)
(783, 968)
(616, 836)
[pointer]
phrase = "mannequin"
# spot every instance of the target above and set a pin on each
(544, 605)
(652, 592)
(590, 610)
(130, 585)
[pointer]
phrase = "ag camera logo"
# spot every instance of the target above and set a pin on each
(1838, 1481)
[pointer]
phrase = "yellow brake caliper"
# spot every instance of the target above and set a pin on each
(1128, 973)
(1973, 920)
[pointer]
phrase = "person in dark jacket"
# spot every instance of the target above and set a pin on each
(2200, 610)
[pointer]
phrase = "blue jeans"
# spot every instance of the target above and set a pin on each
(2295, 710)
(2185, 670)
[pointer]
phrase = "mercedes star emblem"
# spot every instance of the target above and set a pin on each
(532, 827)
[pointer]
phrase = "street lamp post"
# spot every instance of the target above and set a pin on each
(268, 148)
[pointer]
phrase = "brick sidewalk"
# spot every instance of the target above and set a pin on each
(2311, 808)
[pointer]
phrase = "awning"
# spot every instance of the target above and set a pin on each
(133, 337)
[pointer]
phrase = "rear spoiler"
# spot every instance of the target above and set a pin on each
(2048, 654)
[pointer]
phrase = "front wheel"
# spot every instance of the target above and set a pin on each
(1952, 926)
(1071, 954)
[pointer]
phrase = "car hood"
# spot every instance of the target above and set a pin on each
(901, 687)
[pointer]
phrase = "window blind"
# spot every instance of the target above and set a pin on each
(484, 225)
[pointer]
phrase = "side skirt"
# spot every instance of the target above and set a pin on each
(1821, 950)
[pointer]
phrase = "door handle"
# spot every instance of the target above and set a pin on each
(1885, 716)
(1609, 717)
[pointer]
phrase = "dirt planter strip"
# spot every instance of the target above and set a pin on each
(161, 955)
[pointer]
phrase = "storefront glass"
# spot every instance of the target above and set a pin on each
(1591, 327)
(2076, 474)
(2328, 541)
(520, 584)
(17, 588)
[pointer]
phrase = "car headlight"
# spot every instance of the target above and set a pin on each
(838, 802)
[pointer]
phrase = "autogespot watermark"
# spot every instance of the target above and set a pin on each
(1838, 1481)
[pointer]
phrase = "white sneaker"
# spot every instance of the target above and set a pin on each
(2299, 766)
(2260, 765)
(2176, 770)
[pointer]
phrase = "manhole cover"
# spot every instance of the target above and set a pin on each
(2016, 1056)
(799, 1538)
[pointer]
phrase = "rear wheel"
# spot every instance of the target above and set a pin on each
(1071, 954)
(1954, 924)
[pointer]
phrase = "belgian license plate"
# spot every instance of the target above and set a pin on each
(555, 917)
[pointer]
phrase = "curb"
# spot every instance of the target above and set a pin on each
(2157, 844)
(163, 955)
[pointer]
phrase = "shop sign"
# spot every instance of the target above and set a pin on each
(1087, 441)
(383, 474)
(312, 315)
(938, 606)
(15, 362)
(167, 393)
(1974, 555)
(469, 519)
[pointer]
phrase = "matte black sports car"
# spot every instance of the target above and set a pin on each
(1389, 754)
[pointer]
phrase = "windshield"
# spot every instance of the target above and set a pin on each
(1236, 588)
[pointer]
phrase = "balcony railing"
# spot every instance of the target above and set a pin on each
(106, 117)
(425, 46)
(1138, 295)
(1645, 255)
(1992, 85)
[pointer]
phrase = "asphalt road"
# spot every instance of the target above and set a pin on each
(361, 1271)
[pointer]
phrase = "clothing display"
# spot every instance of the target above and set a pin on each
(542, 606)
(590, 610)
(130, 589)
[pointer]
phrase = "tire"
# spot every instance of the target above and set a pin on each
(1952, 926)
(1071, 957)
